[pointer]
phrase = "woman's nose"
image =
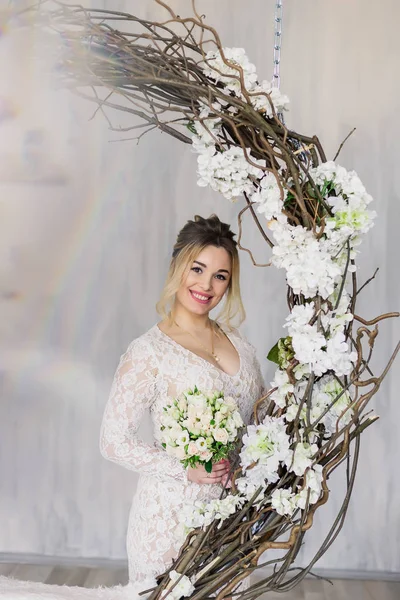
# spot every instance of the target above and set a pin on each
(206, 283)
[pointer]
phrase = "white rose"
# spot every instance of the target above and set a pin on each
(206, 455)
(178, 452)
(230, 402)
(221, 435)
(192, 425)
(192, 449)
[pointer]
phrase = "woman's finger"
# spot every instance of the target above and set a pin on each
(212, 479)
(220, 467)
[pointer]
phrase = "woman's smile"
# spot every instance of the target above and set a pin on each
(200, 297)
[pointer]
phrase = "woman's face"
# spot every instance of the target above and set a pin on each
(206, 281)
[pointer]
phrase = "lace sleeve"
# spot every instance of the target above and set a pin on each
(132, 393)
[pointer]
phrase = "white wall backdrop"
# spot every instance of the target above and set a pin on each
(87, 230)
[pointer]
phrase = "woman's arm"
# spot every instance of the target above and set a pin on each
(132, 393)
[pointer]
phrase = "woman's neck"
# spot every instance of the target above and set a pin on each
(188, 320)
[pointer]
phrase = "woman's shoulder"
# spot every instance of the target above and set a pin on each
(144, 344)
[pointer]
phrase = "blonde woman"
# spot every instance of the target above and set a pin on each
(186, 348)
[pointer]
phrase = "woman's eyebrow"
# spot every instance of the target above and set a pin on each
(205, 267)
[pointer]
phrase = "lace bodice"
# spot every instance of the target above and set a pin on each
(153, 369)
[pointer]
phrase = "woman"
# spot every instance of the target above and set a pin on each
(186, 348)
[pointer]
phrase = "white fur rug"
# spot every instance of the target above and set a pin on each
(14, 589)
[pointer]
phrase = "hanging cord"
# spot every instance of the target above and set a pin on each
(278, 18)
(276, 80)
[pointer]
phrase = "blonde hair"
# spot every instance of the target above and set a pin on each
(191, 240)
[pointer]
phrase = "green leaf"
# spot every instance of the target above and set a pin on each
(208, 466)
(288, 200)
(191, 127)
(212, 422)
(164, 445)
(273, 354)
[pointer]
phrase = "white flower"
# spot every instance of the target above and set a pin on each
(307, 345)
(192, 449)
(198, 402)
(237, 419)
(230, 403)
(283, 501)
(268, 197)
(313, 484)
(302, 457)
(268, 445)
(205, 455)
(221, 435)
(183, 438)
(281, 381)
(201, 444)
(299, 317)
(349, 204)
(310, 269)
(291, 412)
(226, 507)
(325, 392)
(177, 451)
(203, 513)
(182, 402)
(217, 68)
(184, 588)
(227, 172)
(321, 352)
(263, 104)
(229, 74)
(192, 424)
(339, 415)
(300, 371)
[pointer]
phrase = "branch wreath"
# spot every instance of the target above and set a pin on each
(176, 76)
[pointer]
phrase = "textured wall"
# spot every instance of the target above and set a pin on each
(83, 255)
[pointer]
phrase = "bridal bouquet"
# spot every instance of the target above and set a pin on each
(200, 428)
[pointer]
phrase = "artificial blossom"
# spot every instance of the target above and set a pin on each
(316, 262)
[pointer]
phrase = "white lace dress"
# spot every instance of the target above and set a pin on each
(152, 369)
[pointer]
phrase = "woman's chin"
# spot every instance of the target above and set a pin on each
(198, 309)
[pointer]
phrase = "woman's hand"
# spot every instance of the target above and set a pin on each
(199, 474)
(226, 481)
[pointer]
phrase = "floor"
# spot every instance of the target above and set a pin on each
(310, 589)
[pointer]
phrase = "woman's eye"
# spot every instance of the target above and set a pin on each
(221, 277)
(196, 269)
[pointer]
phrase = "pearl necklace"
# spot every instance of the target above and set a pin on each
(211, 353)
